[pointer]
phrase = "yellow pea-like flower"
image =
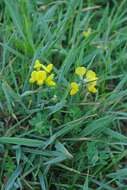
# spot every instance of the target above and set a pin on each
(74, 88)
(80, 71)
(92, 88)
(49, 81)
(90, 74)
(92, 81)
(48, 68)
(91, 77)
(33, 77)
(41, 77)
(87, 33)
(37, 65)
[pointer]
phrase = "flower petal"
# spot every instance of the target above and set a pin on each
(90, 74)
(50, 81)
(87, 33)
(37, 65)
(33, 77)
(80, 71)
(74, 88)
(49, 68)
(41, 77)
(92, 89)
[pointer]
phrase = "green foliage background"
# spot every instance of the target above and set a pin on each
(48, 140)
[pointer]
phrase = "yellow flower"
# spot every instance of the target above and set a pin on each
(87, 33)
(80, 71)
(33, 77)
(50, 81)
(37, 65)
(92, 88)
(92, 81)
(91, 76)
(74, 88)
(40, 77)
(48, 68)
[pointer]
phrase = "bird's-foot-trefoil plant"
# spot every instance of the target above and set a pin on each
(43, 75)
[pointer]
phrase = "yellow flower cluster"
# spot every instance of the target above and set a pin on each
(42, 75)
(90, 79)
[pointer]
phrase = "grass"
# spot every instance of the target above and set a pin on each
(49, 140)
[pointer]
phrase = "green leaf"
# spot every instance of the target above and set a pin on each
(21, 141)
(12, 179)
